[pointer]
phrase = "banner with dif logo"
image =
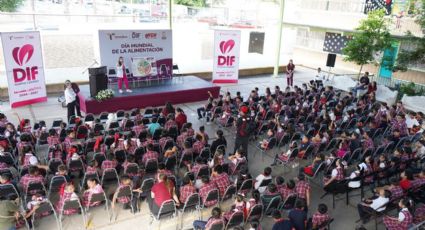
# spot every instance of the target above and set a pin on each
(146, 53)
(226, 56)
(24, 68)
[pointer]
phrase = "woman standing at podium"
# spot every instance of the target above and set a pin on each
(122, 75)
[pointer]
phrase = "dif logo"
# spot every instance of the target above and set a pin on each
(22, 55)
(225, 48)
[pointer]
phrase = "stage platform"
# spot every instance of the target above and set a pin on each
(178, 90)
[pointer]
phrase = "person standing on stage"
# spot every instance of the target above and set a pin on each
(122, 75)
(244, 129)
(70, 99)
(290, 73)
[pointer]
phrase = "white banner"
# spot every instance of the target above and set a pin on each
(146, 53)
(226, 56)
(24, 68)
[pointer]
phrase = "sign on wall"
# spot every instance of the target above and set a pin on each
(226, 56)
(139, 48)
(24, 68)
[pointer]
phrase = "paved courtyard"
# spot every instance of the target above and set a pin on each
(345, 216)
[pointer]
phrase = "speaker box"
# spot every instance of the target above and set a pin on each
(97, 83)
(330, 62)
(98, 70)
(256, 42)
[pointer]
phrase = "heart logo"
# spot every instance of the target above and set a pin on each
(23, 54)
(227, 46)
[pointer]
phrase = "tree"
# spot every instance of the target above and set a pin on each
(369, 40)
(416, 53)
(197, 3)
(9, 5)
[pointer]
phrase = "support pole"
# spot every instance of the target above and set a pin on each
(170, 13)
(279, 40)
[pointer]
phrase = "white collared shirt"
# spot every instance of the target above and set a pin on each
(69, 95)
(377, 204)
(401, 215)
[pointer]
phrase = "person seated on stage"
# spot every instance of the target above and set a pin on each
(376, 205)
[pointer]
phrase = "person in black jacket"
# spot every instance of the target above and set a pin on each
(221, 140)
(355, 142)
(243, 127)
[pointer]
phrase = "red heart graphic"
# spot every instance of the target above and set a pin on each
(23, 54)
(227, 46)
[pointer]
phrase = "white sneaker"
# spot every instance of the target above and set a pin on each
(120, 90)
(128, 91)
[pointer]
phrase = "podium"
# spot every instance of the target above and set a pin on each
(98, 80)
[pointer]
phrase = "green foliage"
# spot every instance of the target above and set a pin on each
(197, 3)
(371, 37)
(9, 5)
(410, 89)
(416, 55)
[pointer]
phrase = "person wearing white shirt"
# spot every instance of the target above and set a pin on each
(70, 99)
(122, 75)
(266, 175)
(404, 218)
(376, 205)
(420, 149)
(411, 121)
(319, 75)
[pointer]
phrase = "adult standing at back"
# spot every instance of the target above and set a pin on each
(290, 68)
(243, 127)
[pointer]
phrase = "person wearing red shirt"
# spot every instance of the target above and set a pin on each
(180, 118)
(406, 178)
(162, 191)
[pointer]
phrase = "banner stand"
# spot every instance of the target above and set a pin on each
(24, 68)
(226, 56)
